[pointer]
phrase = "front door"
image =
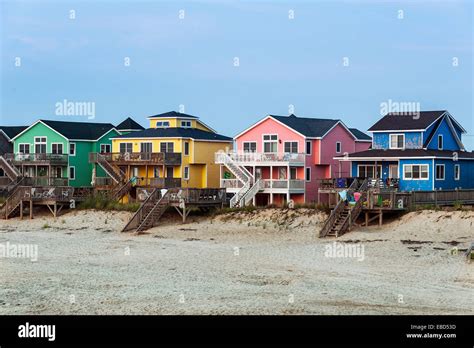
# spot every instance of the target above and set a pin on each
(393, 171)
(169, 172)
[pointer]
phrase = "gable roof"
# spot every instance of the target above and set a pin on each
(171, 114)
(129, 124)
(406, 121)
(79, 130)
(396, 153)
(309, 127)
(191, 133)
(360, 135)
(12, 131)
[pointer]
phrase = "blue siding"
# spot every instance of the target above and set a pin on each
(413, 140)
(465, 181)
(409, 185)
(449, 142)
(380, 141)
(385, 167)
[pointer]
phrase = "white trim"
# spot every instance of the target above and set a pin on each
(248, 142)
(453, 119)
(110, 145)
(6, 136)
(184, 148)
(395, 158)
(264, 119)
(340, 147)
(416, 164)
(290, 141)
(62, 144)
(120, 143)
(458, 141)
(181, 123)
(369, 165)
(182, 138)
(69, 149)
(34, 124)
(396, 130)
(270, 141)
(390, 141)
(310, 147)
(335, 125)
(29, 148)
(103, 135)
(184, 173)
(436, 172)
(442, 141)
(459, 172)
(41, 143)
(305, 174)
(69, 173)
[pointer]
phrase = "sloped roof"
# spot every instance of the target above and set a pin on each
(395, 153)
(12, 131)
(172, 114)
(129, 124)
(359, 134)
(309, 127)
(192, 133)
(406, 121)
(79, 130)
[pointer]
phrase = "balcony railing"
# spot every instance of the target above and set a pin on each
(166, 158)
(46, 158)
(267, 184)
(45, 181)
(257, 157)
(5, 180)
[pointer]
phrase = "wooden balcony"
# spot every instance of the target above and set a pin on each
(262, 159)
(142, 182)
(37, 159)
(139, 158)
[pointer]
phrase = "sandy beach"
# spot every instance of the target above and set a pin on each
(264, 262)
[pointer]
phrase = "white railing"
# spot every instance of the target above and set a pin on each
(240, 172)
(248, 196)
(257, 157)
(231, 183)
(284, 184)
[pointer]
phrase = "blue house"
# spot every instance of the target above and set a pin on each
(421, 151)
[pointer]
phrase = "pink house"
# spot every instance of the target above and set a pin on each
(283, 158)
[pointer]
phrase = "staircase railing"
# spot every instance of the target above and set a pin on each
(114, 172)
(248, 196)
(121, 190)
(12, 202)
(134, 222)
(11, 171)
(240, 172)
(161, 204)
(355, 211)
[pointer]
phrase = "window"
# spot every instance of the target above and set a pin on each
(250, 147)
(338, 147)
(57, 149)
(24, 148)
(166, 147)
(440, 172)
(397, 141)
(105, 148)
(125, 147)
(186, 148)
(40, 144)
(72, 149)
(293, 173)
(415, 171)
(457, 172)
(270, 143)
(162, 124)
(186, 173)
(291, 147)
(186, 124)
(309, 147)
(72, 173)
(440, 141)
(308, 174)
(369, 171)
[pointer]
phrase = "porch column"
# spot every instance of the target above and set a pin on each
(271, 197)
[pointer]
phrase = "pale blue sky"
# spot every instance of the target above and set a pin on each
(190, 61)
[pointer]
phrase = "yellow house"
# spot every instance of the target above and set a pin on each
(176, 151)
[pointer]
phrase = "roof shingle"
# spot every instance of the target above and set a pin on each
(129, 124)
(172, 114)
(176, 133)
(79, 130)
(406, 121)
(12, 131)
(395, 153)
(309, 127)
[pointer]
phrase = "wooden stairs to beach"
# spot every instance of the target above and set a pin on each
(343, 216)
(11, 206)
(122, 186)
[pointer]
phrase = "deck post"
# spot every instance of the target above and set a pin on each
(366, 218)
(184, 213)
(21, 210)
(380, 217)
(31, 209)
(55, 213)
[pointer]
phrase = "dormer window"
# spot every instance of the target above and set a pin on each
(162, 124)
(397, 141)
(186, 124)
(440, 142)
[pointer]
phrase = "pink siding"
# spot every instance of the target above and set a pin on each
(270, 126)
(362, 145)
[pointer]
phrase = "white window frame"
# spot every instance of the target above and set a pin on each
(291, 147)
(369, 165)
(74, 146)
(411, 166)
(105, 145)
(457, 177)
(306, 170)
(270, 141)
(184, 124)
(440, 136)
(390, 141)
(45, 143)
(24, 144)
(249, 142)
(186, 177)
(184, 148)
(310, 147)
(62, 150)
(340, 146)
(436, 172)
(69, 173)
(166, 146)
(125, 143)
(162, 124)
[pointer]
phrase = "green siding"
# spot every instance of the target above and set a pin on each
(40, 130)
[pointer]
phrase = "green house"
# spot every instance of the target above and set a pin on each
(57, 152)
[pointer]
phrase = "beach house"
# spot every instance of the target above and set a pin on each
(283, 158)
(415, 151)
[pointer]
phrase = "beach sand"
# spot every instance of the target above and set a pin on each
(265, 262)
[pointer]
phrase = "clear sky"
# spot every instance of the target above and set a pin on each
(333, 59)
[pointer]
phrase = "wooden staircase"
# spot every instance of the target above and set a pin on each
(12, 204)
(343, 216)
(10, 170)
(150, 211)
(122, 186)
